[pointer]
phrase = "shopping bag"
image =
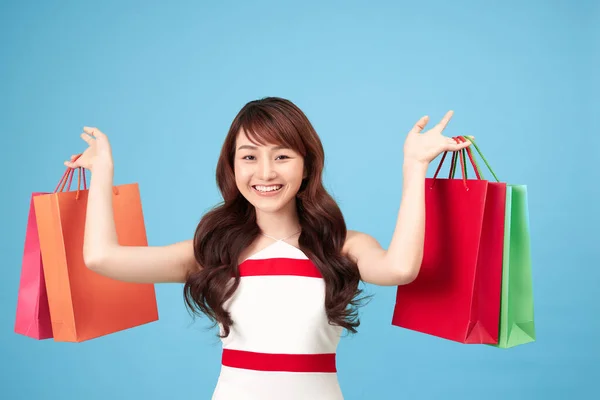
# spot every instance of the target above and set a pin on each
(84, 304)
(517, 323)
(32, 316)
(456, 295)
(517, 313)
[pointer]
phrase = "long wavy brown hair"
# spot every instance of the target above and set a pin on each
(225, 231)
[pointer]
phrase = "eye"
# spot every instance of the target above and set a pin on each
(282, 157)
(249, 158)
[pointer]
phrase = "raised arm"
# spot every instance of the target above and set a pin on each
(101, 250)
(401, 262)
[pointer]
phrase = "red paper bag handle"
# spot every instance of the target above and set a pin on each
(462, 165)
(463, 154)
(68, 175)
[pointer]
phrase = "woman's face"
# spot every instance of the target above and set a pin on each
(267, 176)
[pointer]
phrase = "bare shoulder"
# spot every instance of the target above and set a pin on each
(371, 259)
(356, 242)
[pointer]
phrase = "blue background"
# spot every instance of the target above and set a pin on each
(165, 81)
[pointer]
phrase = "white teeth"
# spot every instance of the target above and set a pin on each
(267, 188)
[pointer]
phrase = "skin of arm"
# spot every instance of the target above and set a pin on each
(102, 252)
(141, 264)
(401, 262)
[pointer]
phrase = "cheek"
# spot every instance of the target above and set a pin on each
(241, 175)
(294, 175)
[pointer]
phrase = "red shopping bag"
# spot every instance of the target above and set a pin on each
(456, 295)
(33, 315)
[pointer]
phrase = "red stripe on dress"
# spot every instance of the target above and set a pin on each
(279, 362)
(279, 266)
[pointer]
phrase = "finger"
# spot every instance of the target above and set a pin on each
(444, 122)
(467, 138)
(450, 141)
(420, 125)
(72, 163)
(464, 144)
(87, 138)
(93, 131)
(457, 143)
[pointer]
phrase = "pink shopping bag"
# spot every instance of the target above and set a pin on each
(33, 314)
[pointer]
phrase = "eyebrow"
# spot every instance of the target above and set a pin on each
(249, 147)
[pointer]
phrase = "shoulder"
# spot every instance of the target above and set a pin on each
(354, 236)
(371, 259)
(357, 241)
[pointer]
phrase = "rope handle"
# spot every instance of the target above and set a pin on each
(470, 139)
(461, 157)
(68, 177)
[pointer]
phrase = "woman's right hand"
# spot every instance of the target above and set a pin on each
(98, 153)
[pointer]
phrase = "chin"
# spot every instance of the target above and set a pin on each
(268, 209)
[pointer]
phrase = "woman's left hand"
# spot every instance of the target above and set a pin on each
(423, 147)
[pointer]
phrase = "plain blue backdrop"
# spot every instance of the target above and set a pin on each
(165, 79)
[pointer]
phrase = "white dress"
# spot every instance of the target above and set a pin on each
(281, 345)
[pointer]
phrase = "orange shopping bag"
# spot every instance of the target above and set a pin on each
(83, 304)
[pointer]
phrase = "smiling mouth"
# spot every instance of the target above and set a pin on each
(267, 189)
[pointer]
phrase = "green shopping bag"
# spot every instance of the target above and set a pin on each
(516, 312)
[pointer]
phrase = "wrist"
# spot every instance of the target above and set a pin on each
(414, 167)
(102, 167)
(103, 172)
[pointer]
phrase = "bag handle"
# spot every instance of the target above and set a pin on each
(476, 166)
(67, 180)
(466, 153)
(463, 165)
(470, 139)
(463, 155)
(68, 177)
(452, 171)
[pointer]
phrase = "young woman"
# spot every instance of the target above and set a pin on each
(273, 265)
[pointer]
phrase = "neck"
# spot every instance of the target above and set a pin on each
(280, 224)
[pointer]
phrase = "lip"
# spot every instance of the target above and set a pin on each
(268, 194)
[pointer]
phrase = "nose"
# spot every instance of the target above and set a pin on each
(266, 170)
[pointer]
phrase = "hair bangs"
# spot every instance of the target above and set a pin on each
(265, 127)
